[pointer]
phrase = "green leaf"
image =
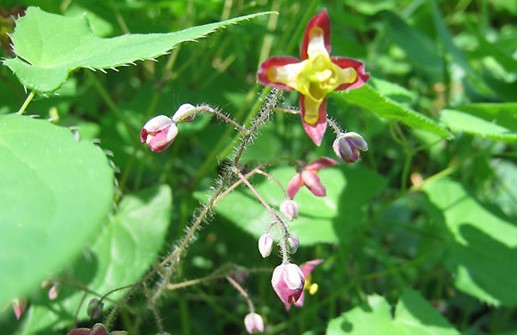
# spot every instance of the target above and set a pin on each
(124, 251)
(50, 46)
(463, 122)
(413, 315)
(369, 98)
(502, 114)
(55, 194)
(482, 248)
(327, 219)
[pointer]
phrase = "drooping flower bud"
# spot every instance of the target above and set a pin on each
(348, 146)
(289, 209)
(53, 292)
(288, 282)
(265, 244)
(254, 323)
(294, 243)
(185, 113)
(19, 307)
(158, 133)
(94, 309)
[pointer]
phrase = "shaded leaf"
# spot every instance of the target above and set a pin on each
(120, 256)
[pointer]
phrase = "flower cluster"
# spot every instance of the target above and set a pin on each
(314, 76)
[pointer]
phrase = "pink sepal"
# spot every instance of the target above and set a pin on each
(265, 67)
(362, 77)
(313, 183)
(317, 130)
(320, 163)
(320, 20)
(294, 185)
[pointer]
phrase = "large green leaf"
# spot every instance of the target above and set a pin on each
(124, 251)
(55, 193)
(368, 97)
(468, 123)
(483, 247)
(328, 219)
(50, 46)
(413, 315)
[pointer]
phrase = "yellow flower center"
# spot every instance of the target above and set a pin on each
(314, 77)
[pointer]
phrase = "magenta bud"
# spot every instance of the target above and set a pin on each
(94, 309)
(265, 244)
(289, 209)
(158, 133)
(348, 146)
(294, 243)
(254, 323)
(185, 113)
(288, 282)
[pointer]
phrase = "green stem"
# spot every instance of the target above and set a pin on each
(26, 103)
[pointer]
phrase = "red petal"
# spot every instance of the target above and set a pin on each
(265, 67)
(362, 76)
(317, 130)
(313, 183)
(294, 185)
(320, 163)
(320, 20)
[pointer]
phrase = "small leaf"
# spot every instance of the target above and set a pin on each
(50, 46)
(464, 122)
(55, 193)
(124, 251)
(482, 248)
(413, 315)
(369, 98)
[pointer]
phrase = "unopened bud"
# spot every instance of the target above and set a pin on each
(185, 113)
(98, 329)
(265, 244)
(289, 209)
(158, 133)
(294, 243)
(254, 323)
(348, 146)
(53, 291)
(94, 309)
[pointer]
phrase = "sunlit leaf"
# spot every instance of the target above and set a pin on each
(50, 46)
(413, 315)
(468, 123)
(327, 219)
(55, 193)
(368, 97)
(482, 248)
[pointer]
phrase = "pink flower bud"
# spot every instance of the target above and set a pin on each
(294, 243)
(289, 209)
(185, 113)
(19, 307)
(265, 244)
(158, 133)
(288, 282)
(94, 309)
(348, 146)
(254, 323)
(53, 292)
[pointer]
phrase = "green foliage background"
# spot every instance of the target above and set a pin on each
(420, 237)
